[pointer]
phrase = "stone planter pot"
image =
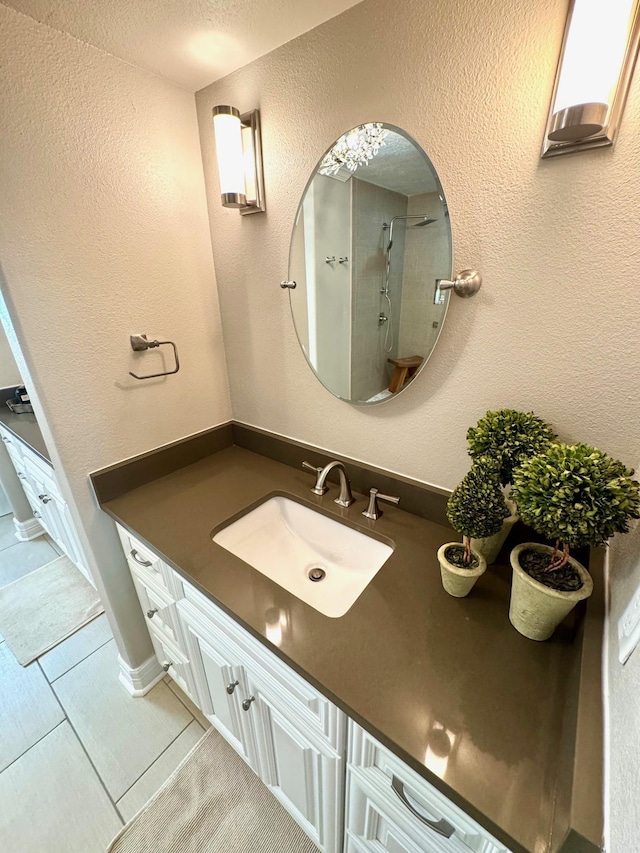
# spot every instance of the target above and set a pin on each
(490, 546)
(536, 610)
(459, 582)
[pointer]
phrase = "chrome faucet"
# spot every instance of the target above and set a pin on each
(345, 498)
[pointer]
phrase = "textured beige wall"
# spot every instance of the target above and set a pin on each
(553, 324)
(9, 373)
(104, 233)
(554, 328)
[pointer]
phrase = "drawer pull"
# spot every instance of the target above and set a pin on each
(36, 514)
(440, 826)
(21, 476)
(139, 560)
(152, 613)
(247, 703)
(231, 687)
(166, 666)
(6, 440)
(44, 498)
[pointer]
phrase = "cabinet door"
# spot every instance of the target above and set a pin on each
(221, 683)
(44, 505)
(42, 491)
(303, 772)
(69, 539)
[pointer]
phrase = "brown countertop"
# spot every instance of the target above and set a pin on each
(407, 661)
(25, 427)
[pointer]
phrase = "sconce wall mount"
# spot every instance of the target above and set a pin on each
(239, 154)
(597, 59)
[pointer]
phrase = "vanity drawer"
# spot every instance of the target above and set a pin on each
(147, 565)
(158, 607)
(312, 709)
(374, 825)
(173, 660)
(14, 449)
(416, 809)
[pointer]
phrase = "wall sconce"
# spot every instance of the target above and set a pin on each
(596, 64)
(239, 155)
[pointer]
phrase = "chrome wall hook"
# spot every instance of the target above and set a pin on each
(139, 343)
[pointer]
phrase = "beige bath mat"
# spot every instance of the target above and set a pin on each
(45, 607)
(212, 803)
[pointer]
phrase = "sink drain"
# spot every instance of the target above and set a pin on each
(316, 574)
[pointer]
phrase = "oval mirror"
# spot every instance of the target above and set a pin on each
(370, 240)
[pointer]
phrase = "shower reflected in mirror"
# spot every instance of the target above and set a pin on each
(371, 238)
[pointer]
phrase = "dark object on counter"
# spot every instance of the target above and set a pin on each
(20, 403)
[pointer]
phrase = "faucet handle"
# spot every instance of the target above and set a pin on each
(317, 489)
(373, 511)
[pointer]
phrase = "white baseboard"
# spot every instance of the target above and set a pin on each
(28, 530)
(140, 680)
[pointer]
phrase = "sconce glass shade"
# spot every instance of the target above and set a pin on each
(596, 64)
(230, 156)
(239, 156)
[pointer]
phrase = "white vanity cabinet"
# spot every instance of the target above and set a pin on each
(292, 736)
(42, 490)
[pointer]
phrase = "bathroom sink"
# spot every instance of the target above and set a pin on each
(321, 561)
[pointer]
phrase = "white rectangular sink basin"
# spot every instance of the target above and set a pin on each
(287, 541)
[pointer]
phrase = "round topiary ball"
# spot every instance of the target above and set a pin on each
(576, 494)
(477, 507)
(510, 437)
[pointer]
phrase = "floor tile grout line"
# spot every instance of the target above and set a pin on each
(97, 648)
(169, 683)
(157, 758)
(84, 749)
(102, 782)
(35, 743)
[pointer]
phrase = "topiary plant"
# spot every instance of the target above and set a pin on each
(510, 437)
(477, 506)
(575, 495)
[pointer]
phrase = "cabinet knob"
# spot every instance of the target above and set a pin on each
(232, 686)
(44, 498)
(247, 703)
(166, 666)
(151, 613)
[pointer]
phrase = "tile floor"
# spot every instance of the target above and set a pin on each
(78, 755)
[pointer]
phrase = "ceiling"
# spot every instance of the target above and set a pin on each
(191, 42)
(400, 166)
